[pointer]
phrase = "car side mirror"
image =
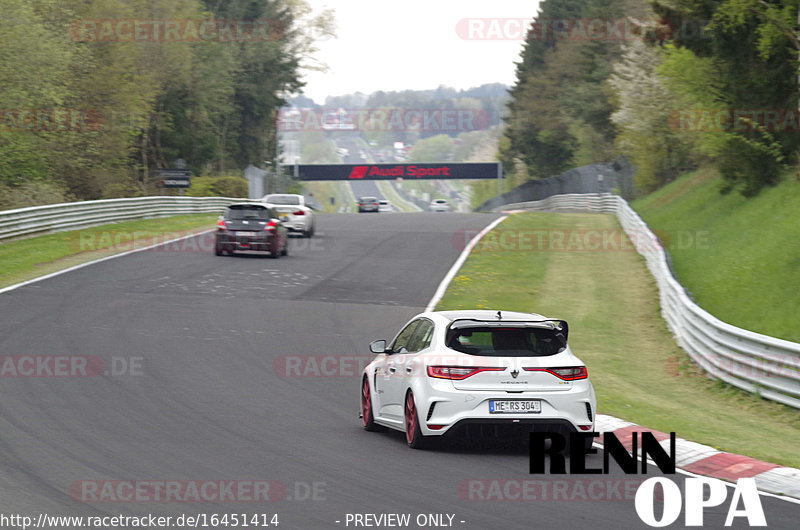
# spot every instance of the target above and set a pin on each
(378, 346)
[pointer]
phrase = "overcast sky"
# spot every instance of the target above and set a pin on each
(414, 44)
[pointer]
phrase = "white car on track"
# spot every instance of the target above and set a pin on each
(439, 205)
(299, 216)
(463, 371)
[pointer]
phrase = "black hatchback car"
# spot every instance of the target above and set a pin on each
(247, 226)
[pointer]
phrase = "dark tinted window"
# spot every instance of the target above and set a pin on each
(282, 199)
(248, 213)
(402, 342)
(422, 336)
(507, 342)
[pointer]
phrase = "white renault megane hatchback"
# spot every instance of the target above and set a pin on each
(485, 371)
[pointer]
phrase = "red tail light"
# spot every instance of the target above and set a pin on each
(271, 226)
(299, 212)
(458, 373)
(221, 225)
(571, 373)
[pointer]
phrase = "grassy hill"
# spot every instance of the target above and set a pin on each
(611, 303)
(738, 257)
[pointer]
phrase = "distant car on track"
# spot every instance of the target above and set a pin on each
(384, 205)
(249, 226)
(300, 216)
(439, 205)
(458, 371)
(368, 204)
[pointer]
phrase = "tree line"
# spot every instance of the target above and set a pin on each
(441, 124)
(672, 84)
(97, 94)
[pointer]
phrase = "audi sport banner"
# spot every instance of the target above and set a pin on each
(395, 171)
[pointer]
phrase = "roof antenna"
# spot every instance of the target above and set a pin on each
(499, 316)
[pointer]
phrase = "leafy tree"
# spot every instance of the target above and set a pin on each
(36, 71)
(437, 148)
(752, 45)
(212, 103)
(559, 113)
(649, 132)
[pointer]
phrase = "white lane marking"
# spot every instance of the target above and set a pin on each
(82, 265)
(437, 296)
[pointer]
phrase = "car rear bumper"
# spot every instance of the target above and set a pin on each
(510, 427)
(451, 410)
(263, 242)
(298, 226)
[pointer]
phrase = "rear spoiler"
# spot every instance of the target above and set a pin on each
(554, 324)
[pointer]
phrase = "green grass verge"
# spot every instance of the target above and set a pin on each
(323, 191)
(24, 259)
(392, 196)
(611, 303)
(483, 190)
(738, 257)
(418, 187)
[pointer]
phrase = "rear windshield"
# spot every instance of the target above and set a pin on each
(368, 199)
(507, 342)
(282, 199)
(247, 213)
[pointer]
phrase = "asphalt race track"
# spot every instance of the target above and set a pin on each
(366, 188)
(212, 341)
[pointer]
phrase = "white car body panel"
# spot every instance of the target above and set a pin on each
(305, 223)
(393, 375)
(439, 206)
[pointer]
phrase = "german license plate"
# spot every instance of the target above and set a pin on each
(244, 234)
(515, 406)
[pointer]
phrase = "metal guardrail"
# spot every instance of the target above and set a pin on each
(757, 363)
(74, 215)
(760, 364)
